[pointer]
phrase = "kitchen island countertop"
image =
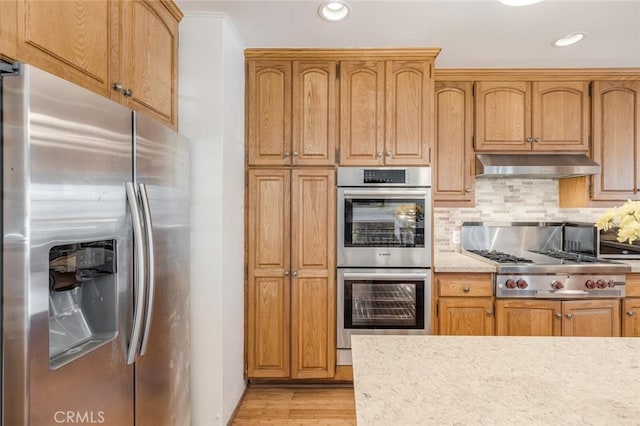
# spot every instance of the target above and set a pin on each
(424, 380)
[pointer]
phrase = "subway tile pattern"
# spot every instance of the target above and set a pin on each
(506, 200)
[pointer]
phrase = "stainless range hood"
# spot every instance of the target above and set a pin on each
(550, 166)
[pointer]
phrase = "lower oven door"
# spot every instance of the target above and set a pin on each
(382, 301)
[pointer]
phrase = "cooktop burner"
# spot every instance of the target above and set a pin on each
(501, 257)
(571, 257)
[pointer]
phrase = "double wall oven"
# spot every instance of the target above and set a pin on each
(384, 253)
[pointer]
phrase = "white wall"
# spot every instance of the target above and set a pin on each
(212, 117)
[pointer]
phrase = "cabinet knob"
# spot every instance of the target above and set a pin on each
(286, 154)
(466, 289)
(295, 153)
(127, 93)
(388, 154)
(489, 313)
(558, 315)
(536, 140)
(286, 273)
(294, 274)
(630, 313)
(117, 86)
(569, 316)
(467, 190)
(379, 154)
(529, 139)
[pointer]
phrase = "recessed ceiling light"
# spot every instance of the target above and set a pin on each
(519, 2)
(333, 11)
(568, 40)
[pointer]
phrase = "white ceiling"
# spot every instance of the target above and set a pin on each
(479, 33)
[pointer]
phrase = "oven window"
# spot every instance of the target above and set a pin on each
(384, 304)
(384, 222)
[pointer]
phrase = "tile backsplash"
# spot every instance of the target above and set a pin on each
(506, 200)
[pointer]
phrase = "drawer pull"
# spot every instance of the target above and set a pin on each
(466, 289)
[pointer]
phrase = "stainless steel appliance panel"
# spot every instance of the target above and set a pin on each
(391, 301)
(163, 371)
(66, 156)
(389, 227)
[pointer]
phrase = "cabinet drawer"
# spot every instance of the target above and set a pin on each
(633, 285)
(464, 285)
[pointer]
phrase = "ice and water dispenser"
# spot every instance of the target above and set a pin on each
(83, 299)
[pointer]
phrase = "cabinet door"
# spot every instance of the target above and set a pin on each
(528, 318)
(591, 318)
(470, 316)
(631, 317)
(8, 30)
(409, 108)
(453, 180)
(149, 58)
(503, 111)
(560, 116)
(616, 139)
(72, 39)
(315, 105)
(268, 259)
(361, 113)
(313, 289)
(269, 113)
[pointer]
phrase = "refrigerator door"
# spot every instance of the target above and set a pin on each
(162, 372)
(67, 245)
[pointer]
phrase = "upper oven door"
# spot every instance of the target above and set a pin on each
(384, 227)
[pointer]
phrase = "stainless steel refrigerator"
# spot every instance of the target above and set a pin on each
(95, 260)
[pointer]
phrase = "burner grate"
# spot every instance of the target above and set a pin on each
(501, 257)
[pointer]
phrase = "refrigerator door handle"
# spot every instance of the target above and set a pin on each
(139, 273)
(146, 214)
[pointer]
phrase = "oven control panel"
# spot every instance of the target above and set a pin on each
(384, 176)
(559, 286)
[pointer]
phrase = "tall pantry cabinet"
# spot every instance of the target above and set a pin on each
(308, 111)
(290, 241)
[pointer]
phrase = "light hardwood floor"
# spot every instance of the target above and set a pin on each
(297, 406)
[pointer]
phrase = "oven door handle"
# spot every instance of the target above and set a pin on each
(386, 193)
(561, 294)
(383, 276)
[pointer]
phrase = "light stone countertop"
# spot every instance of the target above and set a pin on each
(458, 262)
(473, 380)
(635, 264)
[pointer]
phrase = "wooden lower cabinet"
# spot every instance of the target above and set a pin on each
(631, 317)
(593, 318)
(528, 318)
(471, 316)
(464, 304)
(290, 315)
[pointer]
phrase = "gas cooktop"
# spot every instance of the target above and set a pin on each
(549, 261)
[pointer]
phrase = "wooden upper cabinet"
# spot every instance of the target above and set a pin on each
(409, 111)
(149, 58)
(362, 113)
(8, 30)
(385, 112)
(72, 39)
(560, 116)
(292, 112)
(269, 113)
(616, 140)
(126, 50)
(502, 116)
(453, 180)
(315, 104)
(525, 116)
